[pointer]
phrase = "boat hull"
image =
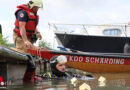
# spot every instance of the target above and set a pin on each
(13, 65)
(99, 68)
(91, 62)
(87, 43)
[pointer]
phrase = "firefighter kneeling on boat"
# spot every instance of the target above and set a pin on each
(26, 32)
(58, 69)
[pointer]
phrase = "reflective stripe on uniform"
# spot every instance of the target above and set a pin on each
(47, 74)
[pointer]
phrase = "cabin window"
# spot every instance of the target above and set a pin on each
(115, 32)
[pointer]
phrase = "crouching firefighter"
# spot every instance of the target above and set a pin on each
(26, 32)
(58, 69)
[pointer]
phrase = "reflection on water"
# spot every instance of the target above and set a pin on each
(115, 81)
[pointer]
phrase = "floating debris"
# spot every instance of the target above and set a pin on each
(102, 81)
(74, 81)
(84, 86)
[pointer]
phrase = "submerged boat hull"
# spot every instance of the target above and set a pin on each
(91, 62)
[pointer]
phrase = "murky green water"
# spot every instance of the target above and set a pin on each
(115, 81)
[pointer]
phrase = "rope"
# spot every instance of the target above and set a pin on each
(40, 58)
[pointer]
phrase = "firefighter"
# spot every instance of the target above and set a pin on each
(26, 32)
(58, 69)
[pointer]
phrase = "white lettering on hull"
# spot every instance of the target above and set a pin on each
(96, 60)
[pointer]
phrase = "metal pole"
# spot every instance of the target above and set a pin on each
(0, 29)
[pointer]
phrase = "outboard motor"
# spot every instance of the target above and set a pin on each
(127, 46)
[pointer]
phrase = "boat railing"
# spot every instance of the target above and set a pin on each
(92, 29)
